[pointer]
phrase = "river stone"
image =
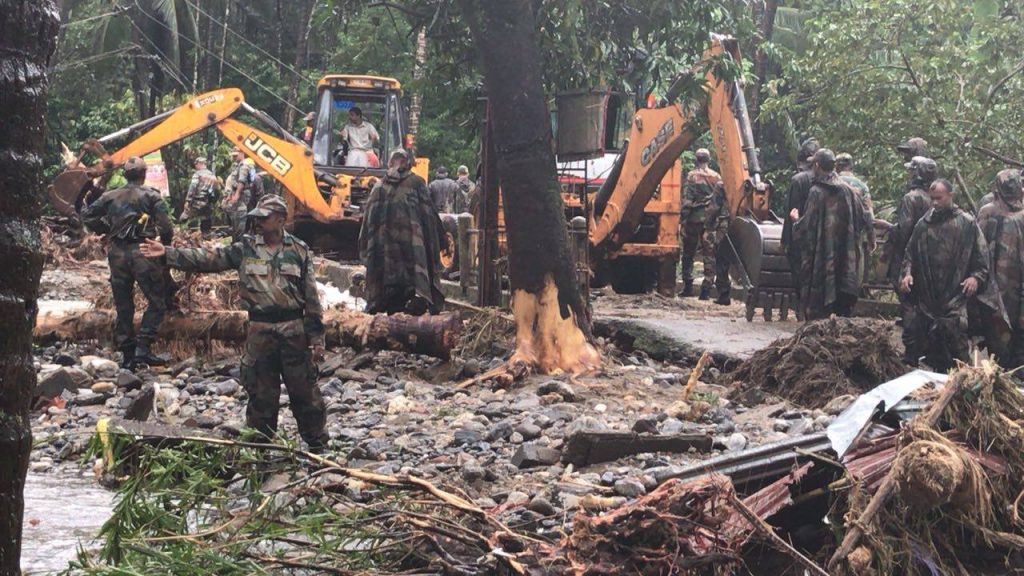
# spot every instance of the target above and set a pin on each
(51, 385)
(103, 388)
(128, 381)
(531, 455)
(629, 488)
(560, 388)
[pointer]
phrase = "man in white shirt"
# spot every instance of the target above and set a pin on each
(361, 136)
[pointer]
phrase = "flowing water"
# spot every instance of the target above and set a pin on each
(63, 511)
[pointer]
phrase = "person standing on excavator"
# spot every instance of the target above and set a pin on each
(128, 216)
(796, 197)
(700, 185)
(277, 284)
(239, 185)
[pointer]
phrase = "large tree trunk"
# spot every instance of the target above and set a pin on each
(552, 325)
(28, 34)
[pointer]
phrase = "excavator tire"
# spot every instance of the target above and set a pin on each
(633, 274)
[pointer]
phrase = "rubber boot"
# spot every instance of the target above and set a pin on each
(705, 293)
(143, 355)
(723, 299)
(128, 358)
(688, 291)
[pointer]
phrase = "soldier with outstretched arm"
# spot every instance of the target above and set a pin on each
(277, 284)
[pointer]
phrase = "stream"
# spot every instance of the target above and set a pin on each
(63, 510)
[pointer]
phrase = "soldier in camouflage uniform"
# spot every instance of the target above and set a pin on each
(127, 216)
(844, 166)
(913, 147)
(828, 233)
(796, 197)
(700, 185)
(239, 185)
(946, 263)
(913, 206)
(399, 244)
(202, 194)
(716, 230)
(1002, 222)
(277, 284)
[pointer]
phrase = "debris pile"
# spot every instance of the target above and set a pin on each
(825, 359)
(66, 245)
(955, 483)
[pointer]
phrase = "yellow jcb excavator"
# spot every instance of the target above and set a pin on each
(643, 188)
(324, 189)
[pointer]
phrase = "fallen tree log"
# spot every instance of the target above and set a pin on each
(590, 447)
(429, 335)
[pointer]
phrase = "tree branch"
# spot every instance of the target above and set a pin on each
(997, 156)
(403, 9)
(999, 85)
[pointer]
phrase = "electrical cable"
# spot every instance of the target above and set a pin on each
(250, 42)
(222, 60)
(170, 65)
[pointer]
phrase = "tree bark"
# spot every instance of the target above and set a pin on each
(309, 8)
(417, 74)
(765, 18)
(28, 34)
(552, 324)
(428, 335)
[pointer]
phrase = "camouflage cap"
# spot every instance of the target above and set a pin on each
(703, 155)
(135, 164)
(916, 145)
(1009, 184)
(844, 159)
(441, 171)
(201, 159)
(267, 205)
(808, 148)
(399, 152)
(463, 169)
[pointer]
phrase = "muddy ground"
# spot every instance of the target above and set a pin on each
(400, 413)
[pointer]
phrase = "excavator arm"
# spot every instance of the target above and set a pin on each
(660, 135)
(286, 160)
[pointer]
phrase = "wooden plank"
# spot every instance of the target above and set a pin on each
(589, 447)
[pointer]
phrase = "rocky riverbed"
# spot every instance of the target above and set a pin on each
(399, 413)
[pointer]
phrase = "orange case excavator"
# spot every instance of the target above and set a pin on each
(657, 138)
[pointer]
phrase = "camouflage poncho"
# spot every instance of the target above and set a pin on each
(828, 234)
(399, 242)
(946, 247)
(1002, 222)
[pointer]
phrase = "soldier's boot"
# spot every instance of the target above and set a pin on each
(724, 299)
(128, 358)
(143, 355)
(705, 292)
(688, 291)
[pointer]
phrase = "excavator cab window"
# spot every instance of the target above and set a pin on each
(618, 117)
(366, 146)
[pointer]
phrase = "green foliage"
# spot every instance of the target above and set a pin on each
(877, 72)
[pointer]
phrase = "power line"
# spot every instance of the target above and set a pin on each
(89, 19)
(170, 66)
(222, 60)
(249, 42)
(93, 58)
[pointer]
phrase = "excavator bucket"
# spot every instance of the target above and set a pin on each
(67, 190)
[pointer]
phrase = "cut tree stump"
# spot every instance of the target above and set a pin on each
(428, 335)
(587, 447)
